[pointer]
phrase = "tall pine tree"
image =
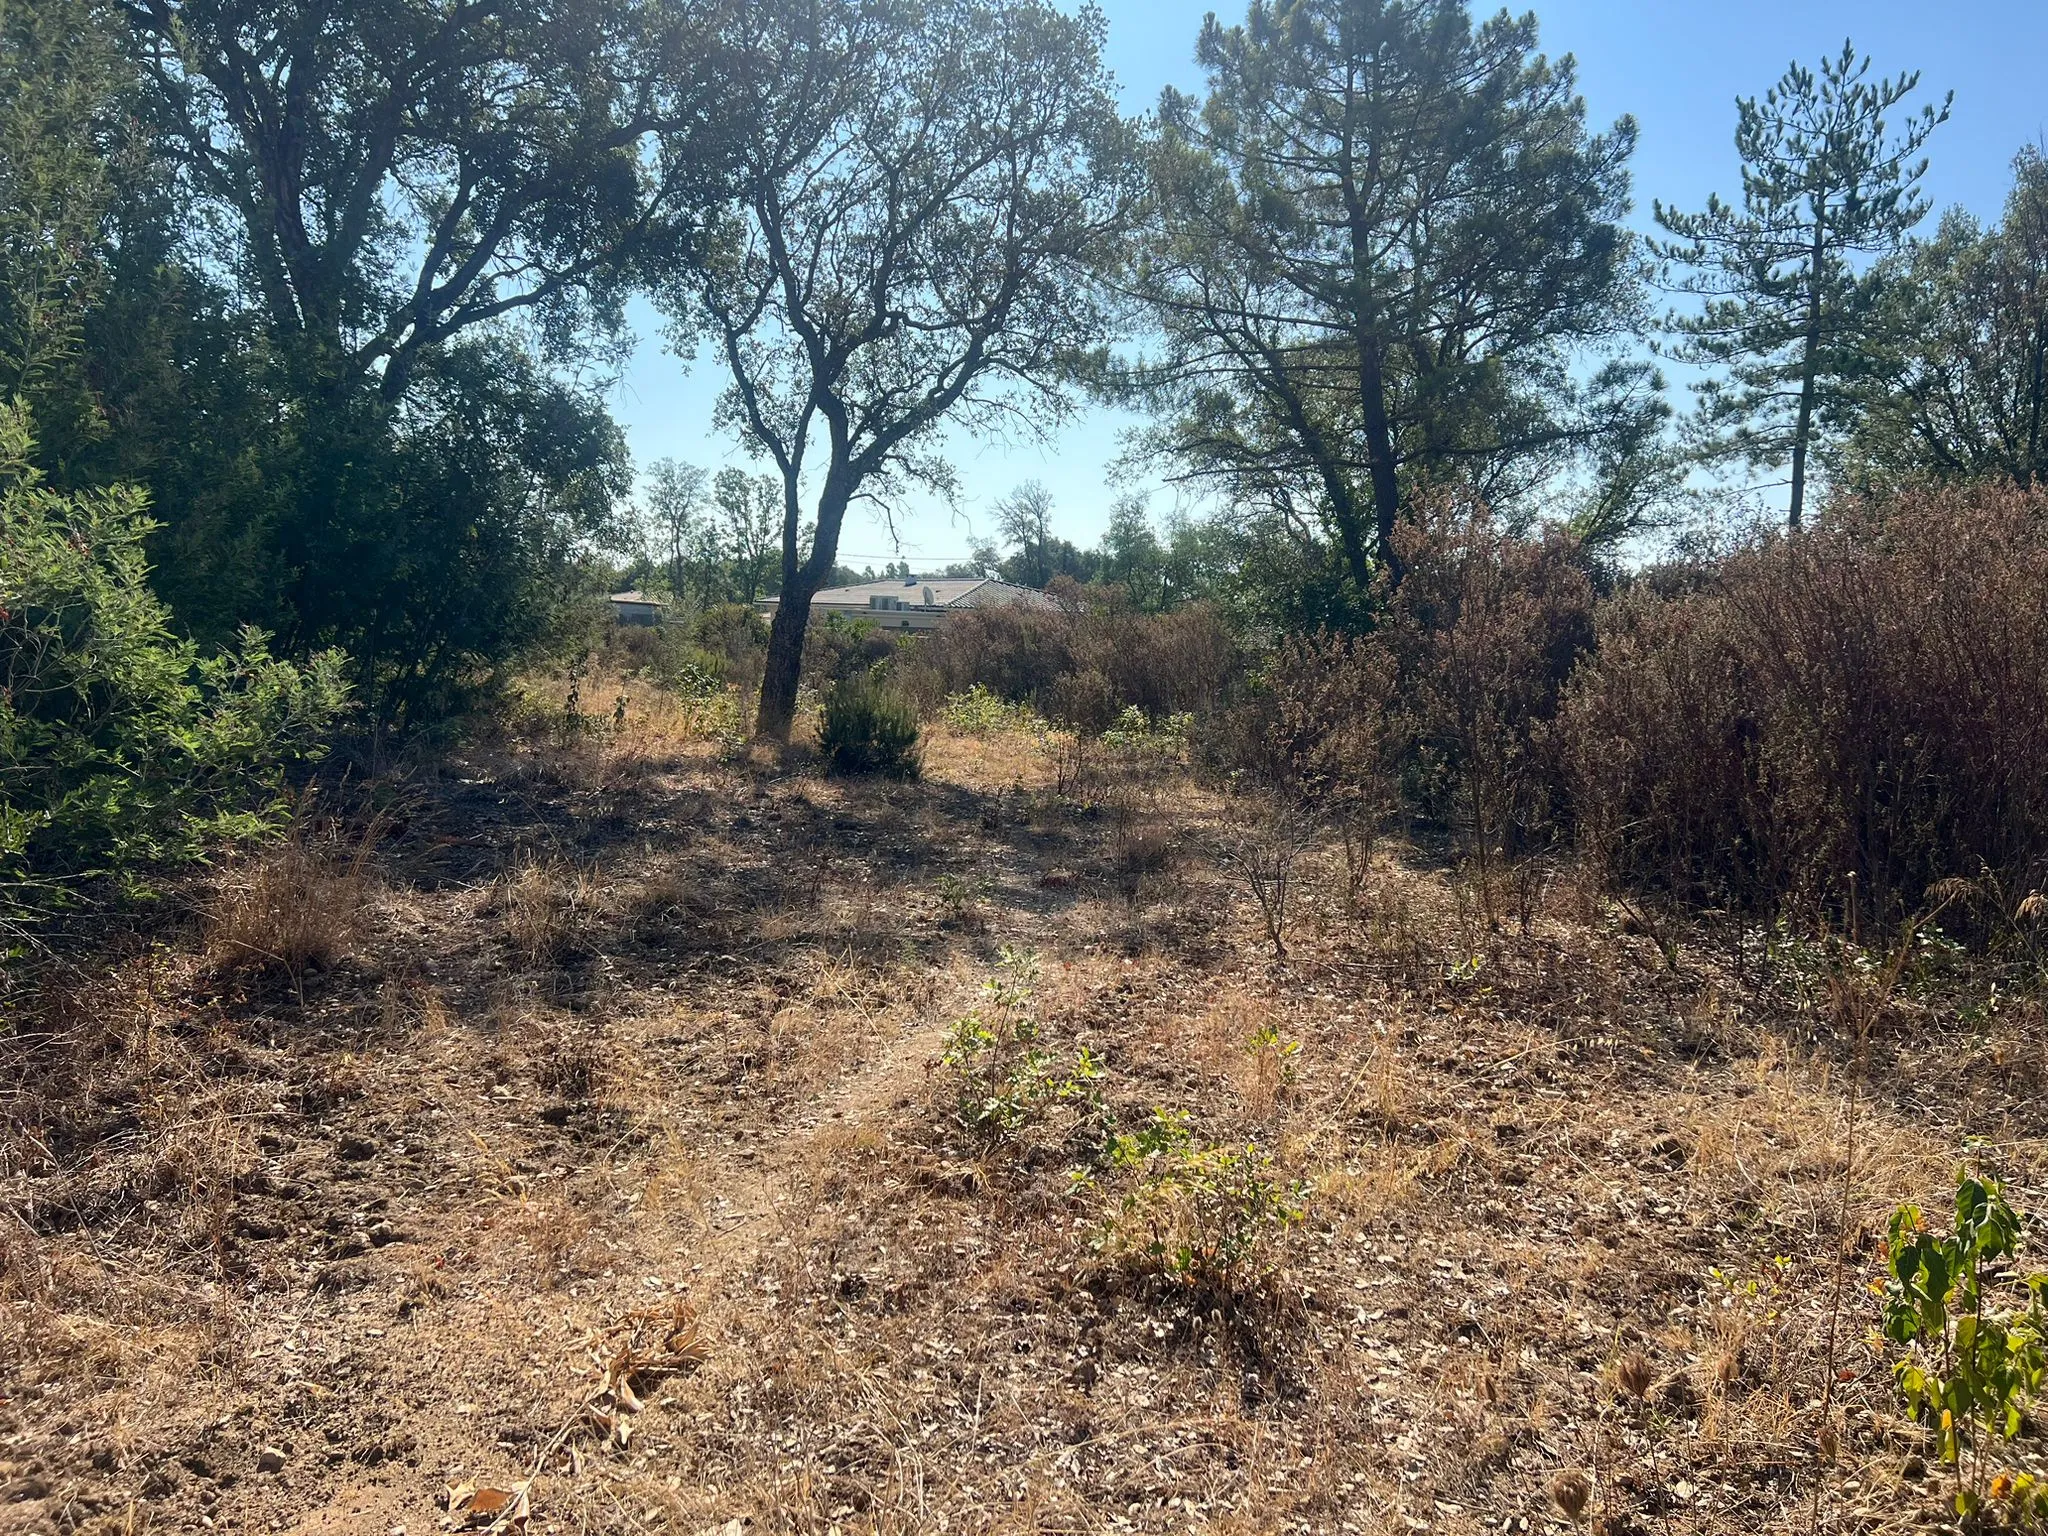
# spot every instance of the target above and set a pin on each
(1385, 245)
(1791, 295)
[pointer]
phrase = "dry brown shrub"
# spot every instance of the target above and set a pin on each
(1321, 731)
(1836, 723)
(545, 903)
(1485, 630)
(1081, 663)
(1262, 841)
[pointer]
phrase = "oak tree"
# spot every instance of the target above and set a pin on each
(925, 195)
(400, 171)
(1961, 389)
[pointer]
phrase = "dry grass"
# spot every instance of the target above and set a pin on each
(276, 1260)
(546, 905)
(293, 907)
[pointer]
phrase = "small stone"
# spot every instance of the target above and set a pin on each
(383, 1233)
(269, 1459)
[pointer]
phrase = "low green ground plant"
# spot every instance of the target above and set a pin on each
(1210, 1218)
(1973, 1336)
(1007, 1078)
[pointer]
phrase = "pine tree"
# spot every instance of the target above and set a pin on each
(1384, 246)
(1792, 295)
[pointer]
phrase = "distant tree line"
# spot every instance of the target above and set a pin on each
(339, 289)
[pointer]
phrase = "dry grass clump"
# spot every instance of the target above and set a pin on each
(559, 1235)
(295, 907)
(545, 905)
(600, 731)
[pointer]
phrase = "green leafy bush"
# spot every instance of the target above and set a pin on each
(982, 712)
(1972, 1367)
(1007, 1078)
(1208, 1217)
(120, 745)
(866, 729)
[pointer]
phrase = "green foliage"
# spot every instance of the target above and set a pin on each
(1792, 306)
(714, 540)
(981, 712)
(925, 200)
(1958, 388)
(1208, 1217)
(1137, 742)
(1267, 1045)
(867, 729)
(1971, 1366)
(435, 543)
(1341, 326)
(58, 81)
(1007, 1079)
(307, 328)
(960, 898)
(398, 175)
(120, 745)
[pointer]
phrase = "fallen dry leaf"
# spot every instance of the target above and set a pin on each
(517, 1514)
(493, 1501)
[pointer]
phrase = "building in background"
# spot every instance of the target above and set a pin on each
(917, 603)
(637, 608)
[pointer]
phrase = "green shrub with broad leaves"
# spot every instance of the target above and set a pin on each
(1207, 1217)
(1007, 1078)
(867, 729)
(1974, 1336)
(121, 746)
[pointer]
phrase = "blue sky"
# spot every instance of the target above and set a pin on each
(1677, 65)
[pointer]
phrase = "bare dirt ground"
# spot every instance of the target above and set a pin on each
(612, 1170)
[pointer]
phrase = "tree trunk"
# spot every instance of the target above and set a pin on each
(785, 657)
(800, 579)
(1808, 370)
(1379, 452)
